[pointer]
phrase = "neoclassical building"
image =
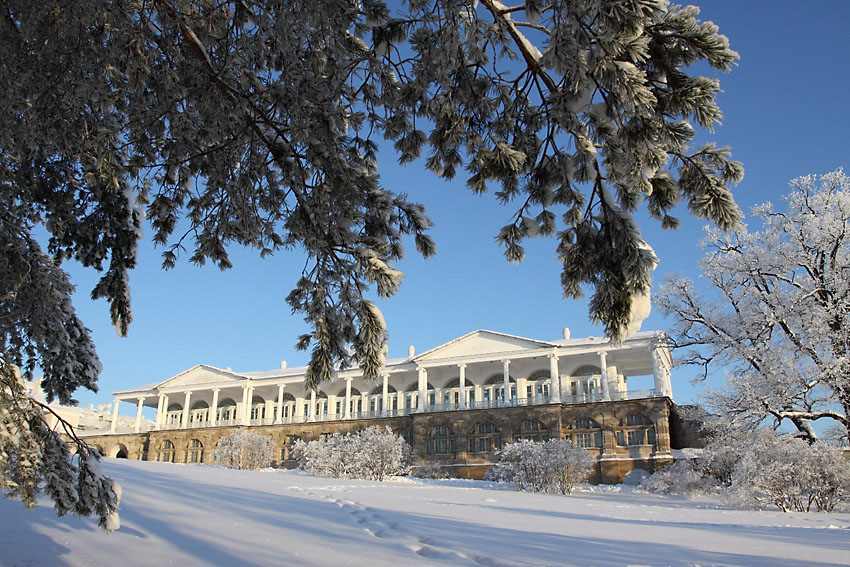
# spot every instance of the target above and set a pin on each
(457, 403)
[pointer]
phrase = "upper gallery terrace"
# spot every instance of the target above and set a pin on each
(471, 372)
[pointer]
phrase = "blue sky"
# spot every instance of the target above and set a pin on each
(786, 115)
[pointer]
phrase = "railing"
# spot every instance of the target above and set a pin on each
(435, 408)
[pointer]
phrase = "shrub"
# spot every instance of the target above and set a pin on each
(759, 468)
(553, 466)
(371, 454)
(433, 470)
(682, 478)
(243, 450)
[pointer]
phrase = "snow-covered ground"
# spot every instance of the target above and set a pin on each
(195, 515)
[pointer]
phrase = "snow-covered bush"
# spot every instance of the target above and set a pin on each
(373, 454)
(790, 474)
(682, 477)
(243, 450)
(553, 466)
(433, 470)
(759, 468)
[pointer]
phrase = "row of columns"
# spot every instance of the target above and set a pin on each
(660, 372)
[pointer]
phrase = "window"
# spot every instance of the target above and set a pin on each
(585, 433)
(226, 412)
(166, 452)
(484, 438)
(195, 454)
(440, 441)
(636, 430)
(532, 430)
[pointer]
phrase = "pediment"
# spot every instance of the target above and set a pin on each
(478, 343)
(200, 374)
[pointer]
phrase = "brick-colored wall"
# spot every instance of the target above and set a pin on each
(613, 462)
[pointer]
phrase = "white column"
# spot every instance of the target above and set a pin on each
(554, 380)
(506, 373)
(603, 366)
(242, 420)
(312, 405)
(364, 402)
(347, 413)
(185, 418)
(278, 411)
(299, 407)
(661, 375)
(385, 395)
(114, 416)
(214, 408)
(423, 388)
(332, 400)
(160, 410)
(138, 424)
(462, 383)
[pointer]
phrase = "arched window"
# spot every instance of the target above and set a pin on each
(258, 410)
(484, 438)
(226, 412)
(494, 389)
(411, 393)
(585, 433)
(532, 430)
(195, 453)
(440, 440)
(537, 385)
(174, 415)
(288, 410)
(166, 452)
(199, 414)
(585, 382)
(636, 429)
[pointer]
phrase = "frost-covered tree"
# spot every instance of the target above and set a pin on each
(243, 450)
(777, 312)
(257, 122)
(34, 458)
(372, 454)
(554, 466)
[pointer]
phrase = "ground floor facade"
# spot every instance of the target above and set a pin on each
(624, 437)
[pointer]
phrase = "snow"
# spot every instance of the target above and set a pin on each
(199, 515)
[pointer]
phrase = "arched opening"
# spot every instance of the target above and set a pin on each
(411, 395)
(118, 451)
(484, 439)
(493, 390)
(258, 410)
(636, 430)
(199, 414)
(376, 399)
(174, 416)
(440, 440)
(537, 386)
(226, 412)
(195, 452)
(288, 410)
(585, 383)
(532, 430)
(585, 433)
(166, 452)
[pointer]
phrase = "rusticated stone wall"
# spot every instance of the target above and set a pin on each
(613, 461)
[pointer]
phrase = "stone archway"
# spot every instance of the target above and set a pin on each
(118, 451)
